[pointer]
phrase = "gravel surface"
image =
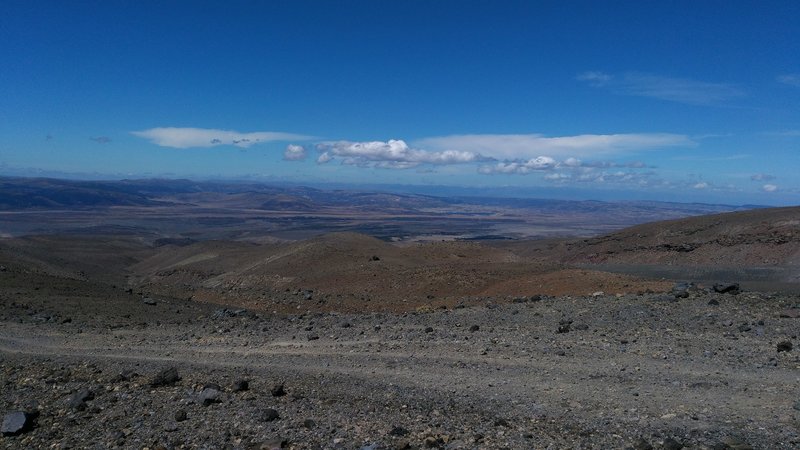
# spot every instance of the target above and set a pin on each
(690, 369)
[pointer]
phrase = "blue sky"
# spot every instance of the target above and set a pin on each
(691, 101)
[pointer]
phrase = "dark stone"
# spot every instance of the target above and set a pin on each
(209, 396)
(312, 337)
(398, 431)
(78, 399)
(16, 423)
(474, 328)
(784, 346)
(681, 290)
(269, 414)
(502, 423)
(732, 443)
(180, 415)
(642, 444)
(124, 376)
(166, 377)
(375, 258)
(745, 327)
(433, 442)
(532, 298)
(309, 424)
(241, 385)
(727, 288)
(713, 302)
(278, 390)
(671, 444)
(429, 330)
(149, 301)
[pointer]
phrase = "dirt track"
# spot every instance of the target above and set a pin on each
(629, 371)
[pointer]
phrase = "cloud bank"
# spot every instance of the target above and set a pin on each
(208, 137)
(393, 154)
(526, 146)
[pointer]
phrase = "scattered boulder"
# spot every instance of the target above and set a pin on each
(784, 346)
(269, 415)
(17, 422)
(682, 289)
(523, 299)
(713, 302)
(502, 423)
(278, 390)
(642, 444)
(166, 377)
(209, 396)
(149, 301)
(78, 400)
(429, 329)
(671, 444)
(564, 326)
(240, 386)
(792, 313)
(123, 376)
(309, 424)
(474, 328)
(727, 288)
(398, 431)
(180, 415)
(733, 443)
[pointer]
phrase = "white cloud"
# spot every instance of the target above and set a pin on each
(209, 137)
(792, 79)
(539, 163)
(294, 153)
(769, 188)
(557, 176)
(393, 154)
(595, 78)
(700, 185)
(679, 90)
(525, 146)
(762, 177)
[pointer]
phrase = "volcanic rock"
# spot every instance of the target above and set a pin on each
(16, 423)
(727, 288)
(166, 377)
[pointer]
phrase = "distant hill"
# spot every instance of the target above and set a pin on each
(44, 193)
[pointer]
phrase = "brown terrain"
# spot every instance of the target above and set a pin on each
(352, 342)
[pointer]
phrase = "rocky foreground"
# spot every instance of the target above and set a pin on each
(691, 369)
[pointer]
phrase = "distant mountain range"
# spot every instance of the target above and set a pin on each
(48, 193)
